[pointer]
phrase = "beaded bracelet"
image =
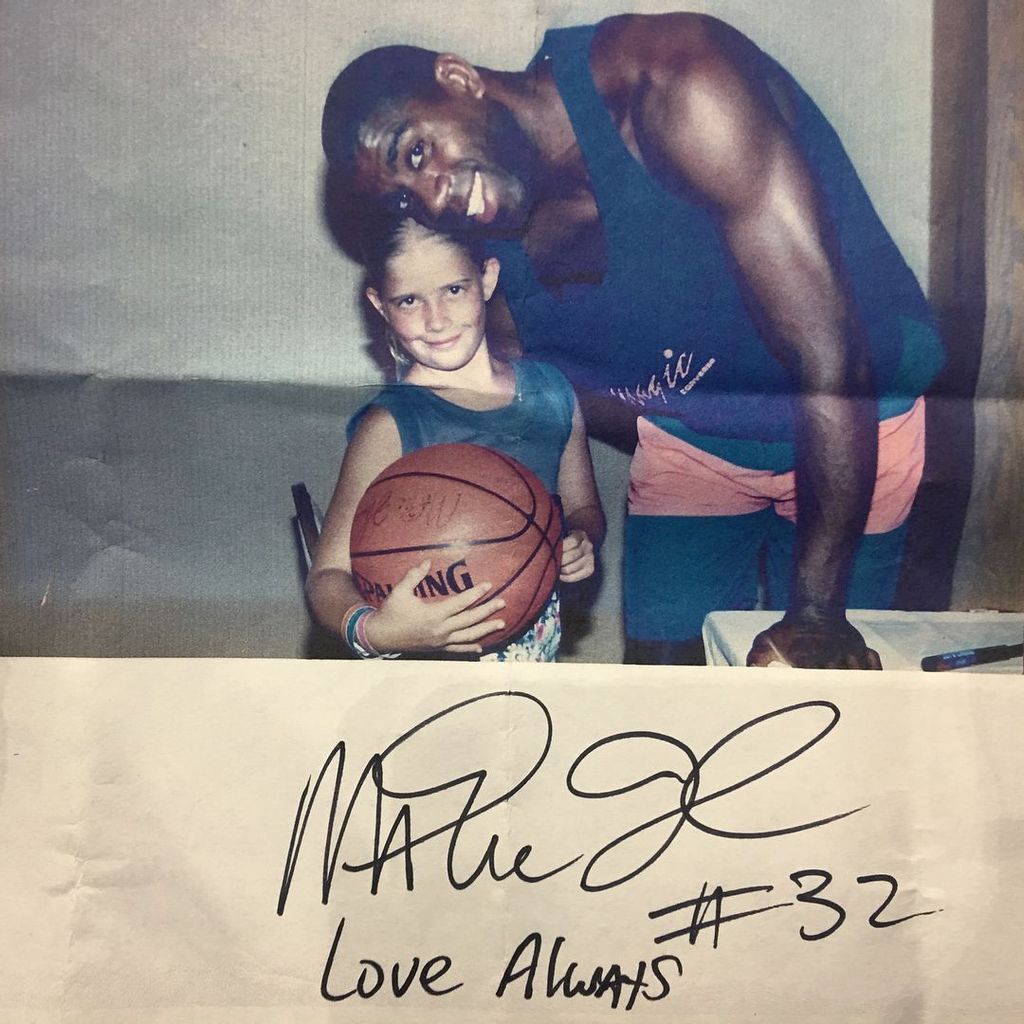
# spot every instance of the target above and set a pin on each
(353, 629)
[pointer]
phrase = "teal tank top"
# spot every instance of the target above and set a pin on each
(667, 331)
(533, 428)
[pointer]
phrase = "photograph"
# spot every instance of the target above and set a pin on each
(734, 285)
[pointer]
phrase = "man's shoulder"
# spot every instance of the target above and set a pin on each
(688, 93)
(635, 50)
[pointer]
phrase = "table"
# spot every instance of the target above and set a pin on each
(902, 639)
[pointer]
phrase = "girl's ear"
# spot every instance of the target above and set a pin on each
(375, 301)
(489, 276)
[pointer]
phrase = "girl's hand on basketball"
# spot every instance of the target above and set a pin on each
(405, 622)
(577, 557)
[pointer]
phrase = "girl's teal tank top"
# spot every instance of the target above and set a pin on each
(533, 428)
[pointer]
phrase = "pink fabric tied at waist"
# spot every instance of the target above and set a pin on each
(670, 477)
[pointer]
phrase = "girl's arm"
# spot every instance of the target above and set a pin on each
(329, 586)
(581, 505)
(404, 622)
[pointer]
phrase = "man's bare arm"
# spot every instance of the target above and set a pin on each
(719, 131)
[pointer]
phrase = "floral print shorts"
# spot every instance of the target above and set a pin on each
(539, 643)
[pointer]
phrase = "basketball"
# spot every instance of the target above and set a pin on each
(478, 514)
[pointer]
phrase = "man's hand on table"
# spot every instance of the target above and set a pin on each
(807, 642)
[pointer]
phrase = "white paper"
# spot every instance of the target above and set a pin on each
(148, 808)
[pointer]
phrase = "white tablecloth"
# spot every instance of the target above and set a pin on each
(902, 639)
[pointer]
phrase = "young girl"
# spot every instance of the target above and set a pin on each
(431, 288)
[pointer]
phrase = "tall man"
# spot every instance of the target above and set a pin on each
(680, 230)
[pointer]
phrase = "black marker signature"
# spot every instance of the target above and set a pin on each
(400, 839)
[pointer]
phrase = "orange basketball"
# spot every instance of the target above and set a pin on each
(479, 516)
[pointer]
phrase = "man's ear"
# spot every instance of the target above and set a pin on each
(375, 301)
(489, 277)
(457, 77)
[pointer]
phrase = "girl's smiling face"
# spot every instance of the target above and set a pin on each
(433, 298)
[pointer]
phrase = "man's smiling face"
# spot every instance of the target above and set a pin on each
(451, 161)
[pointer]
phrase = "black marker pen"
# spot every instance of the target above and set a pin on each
(974, 656)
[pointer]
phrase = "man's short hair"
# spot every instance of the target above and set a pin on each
(389, 74)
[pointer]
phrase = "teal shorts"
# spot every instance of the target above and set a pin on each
(677, 569)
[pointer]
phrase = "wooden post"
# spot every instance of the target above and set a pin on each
(956, 288)
(990, 567)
